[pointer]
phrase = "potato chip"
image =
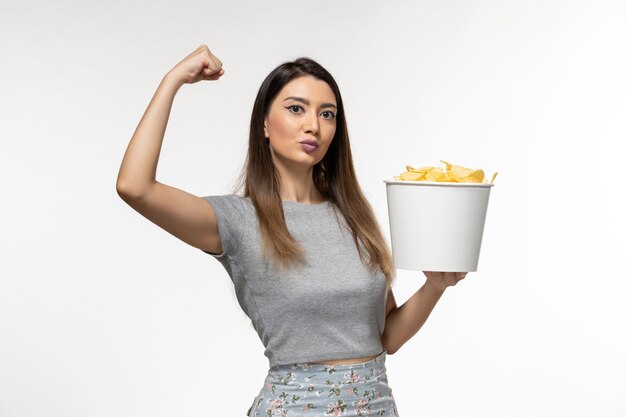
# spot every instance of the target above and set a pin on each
(453, 173)
(434, 174)
(411, 176)
(423, 169)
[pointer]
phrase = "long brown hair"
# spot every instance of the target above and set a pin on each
(334, 177)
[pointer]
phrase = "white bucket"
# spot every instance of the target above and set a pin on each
(436, 226)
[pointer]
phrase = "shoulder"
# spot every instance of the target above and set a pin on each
(227, 201)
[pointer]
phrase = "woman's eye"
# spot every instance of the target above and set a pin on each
(332, 115)
(295, 105)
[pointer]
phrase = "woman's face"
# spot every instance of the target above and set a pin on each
(305, 109)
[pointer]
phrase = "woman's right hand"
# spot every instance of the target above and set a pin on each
(201, 64)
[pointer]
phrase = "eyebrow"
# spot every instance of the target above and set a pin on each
(307, 102)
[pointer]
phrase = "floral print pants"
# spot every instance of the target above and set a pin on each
(316, 390)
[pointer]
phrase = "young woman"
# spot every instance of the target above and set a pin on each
(308, 260)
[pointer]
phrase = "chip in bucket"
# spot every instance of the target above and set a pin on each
(453, 173)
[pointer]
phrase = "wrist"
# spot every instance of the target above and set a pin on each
(170, 80)
(432, 287)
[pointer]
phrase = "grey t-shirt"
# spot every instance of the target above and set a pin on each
(333, 308)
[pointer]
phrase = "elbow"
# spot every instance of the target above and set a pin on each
(125, 193)
(388, 346)
(128, 192)
(122, 188)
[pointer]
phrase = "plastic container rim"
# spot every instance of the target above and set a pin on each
(443, 184)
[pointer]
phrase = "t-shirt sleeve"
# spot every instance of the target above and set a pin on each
(230, 223)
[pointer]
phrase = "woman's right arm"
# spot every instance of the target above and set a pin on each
(186, 216)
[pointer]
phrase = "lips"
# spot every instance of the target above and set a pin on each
(308, 148)
(310, 142)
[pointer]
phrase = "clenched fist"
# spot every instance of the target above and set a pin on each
(201, 64)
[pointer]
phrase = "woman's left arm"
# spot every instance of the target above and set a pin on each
(403, 322)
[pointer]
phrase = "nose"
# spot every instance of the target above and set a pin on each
(311, 124)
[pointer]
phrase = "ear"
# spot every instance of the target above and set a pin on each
(267, 135)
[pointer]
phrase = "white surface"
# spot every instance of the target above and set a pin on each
(104, 314)
(436, 226)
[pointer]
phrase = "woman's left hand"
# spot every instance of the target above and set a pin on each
(442, 280)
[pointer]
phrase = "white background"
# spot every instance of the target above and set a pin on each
(104, 314)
